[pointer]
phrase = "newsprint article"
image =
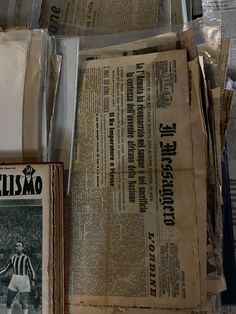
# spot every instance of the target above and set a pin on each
(133, 173)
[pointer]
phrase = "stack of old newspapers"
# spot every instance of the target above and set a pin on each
(145, 223)
(224, 11)
(148, 205)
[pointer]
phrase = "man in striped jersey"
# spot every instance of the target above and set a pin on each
(23, 272)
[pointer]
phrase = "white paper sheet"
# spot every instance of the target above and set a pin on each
(13, 55)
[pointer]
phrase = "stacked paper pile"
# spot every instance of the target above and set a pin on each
(146, 226)
(150, 211)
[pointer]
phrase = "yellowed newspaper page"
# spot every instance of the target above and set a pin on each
(87, 17)
(199, 135)
(134, 225)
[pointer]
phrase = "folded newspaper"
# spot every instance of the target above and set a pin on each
(133, 166)
(145, 223)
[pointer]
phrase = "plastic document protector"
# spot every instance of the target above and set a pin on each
(13, 55)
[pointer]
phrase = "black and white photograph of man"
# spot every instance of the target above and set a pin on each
(23, 278)
(21, 257)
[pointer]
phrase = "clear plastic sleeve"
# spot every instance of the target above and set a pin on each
(23, 13)
(208, 38)
(106, 16)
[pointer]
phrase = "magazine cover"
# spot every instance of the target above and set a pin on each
(24, 239)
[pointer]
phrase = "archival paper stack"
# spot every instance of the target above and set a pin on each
(31, 228)
(144, 149)
(144, 219)
(145, 223)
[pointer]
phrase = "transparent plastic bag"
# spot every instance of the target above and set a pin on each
(208, 38)
(23, 13)
(106, 16)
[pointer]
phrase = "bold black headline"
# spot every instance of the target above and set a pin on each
(136, 137)
(168, 151)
